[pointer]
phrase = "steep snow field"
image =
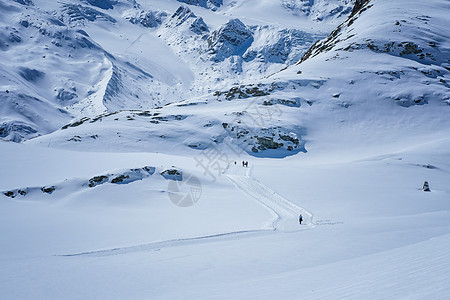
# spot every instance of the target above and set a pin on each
(129, 181)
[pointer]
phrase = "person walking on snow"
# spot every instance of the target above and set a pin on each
(300, 219)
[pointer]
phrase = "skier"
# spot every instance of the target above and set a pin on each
(243, 163)
(246, 164)
(300, 219)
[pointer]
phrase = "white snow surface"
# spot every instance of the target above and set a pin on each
(346, 138)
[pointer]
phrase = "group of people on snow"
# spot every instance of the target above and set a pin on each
(244, 163)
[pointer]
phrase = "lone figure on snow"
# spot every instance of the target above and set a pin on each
(300, 219)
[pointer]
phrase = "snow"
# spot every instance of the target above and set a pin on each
(89, 202)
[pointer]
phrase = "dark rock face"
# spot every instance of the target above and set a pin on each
(359, 4)
(184, 15)
(328, 43)
(233, 38)
(199, 26)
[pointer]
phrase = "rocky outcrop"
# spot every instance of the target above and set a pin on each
(232, 38)
(319, 10)
(329, 42)
(78, 15)
(149, 19)
(211, 4)
(125, 177)
(359, 5)
(282, 46)
(172, 174)
(184, 17)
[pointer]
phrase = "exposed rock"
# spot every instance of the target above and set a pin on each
(232, 38)
(184, 16)
(242, 92)
(76, 123)
(319, 10)
(426, 187)
(120, 179)
(78, 14)
(149, 19)
(268, 143)
(329, 42)
(283, 46)
(295, 102)
(97, 180)
(359, 6)
(48, 189)
(172, 174)
(211, 4)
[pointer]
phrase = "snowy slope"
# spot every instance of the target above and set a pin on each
(322, 87)
(112, 55)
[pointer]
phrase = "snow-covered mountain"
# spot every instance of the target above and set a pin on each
(112, 55)
(280, 107)
(125, 126)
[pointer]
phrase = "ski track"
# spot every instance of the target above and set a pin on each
(156, 246)
(285, 219)
(284, 211)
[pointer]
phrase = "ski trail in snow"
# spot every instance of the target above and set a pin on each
(284, 211)
(156, 246)
(285, 218)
